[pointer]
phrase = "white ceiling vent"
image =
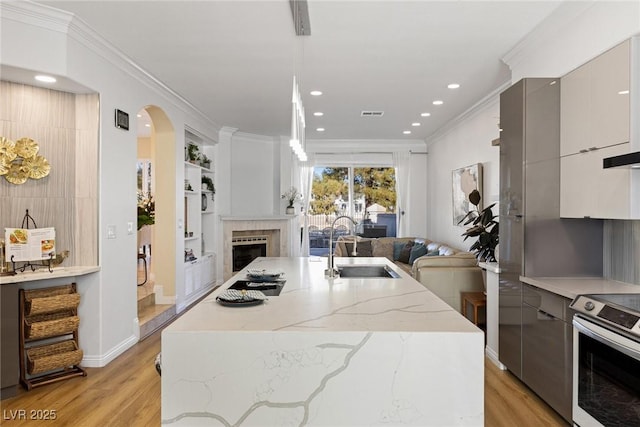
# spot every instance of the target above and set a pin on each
(372, 113)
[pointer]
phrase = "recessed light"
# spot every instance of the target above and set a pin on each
(438, 102)
(415, 124)
(318, 114)
(425, 114)
(453, 86)
(320, 129)
(315, 93)
(147, 125)
(139, 116)
(623, 92)
(406, 132)
(45, 79)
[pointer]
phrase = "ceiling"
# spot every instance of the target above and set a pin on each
(234, 60)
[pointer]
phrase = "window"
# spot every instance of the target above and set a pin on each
(367, 194)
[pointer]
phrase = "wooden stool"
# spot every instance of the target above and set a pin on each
(476, 300)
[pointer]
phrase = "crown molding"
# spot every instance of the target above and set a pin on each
(489, 100)
(76, 29)
(550, 27)
(38, 15)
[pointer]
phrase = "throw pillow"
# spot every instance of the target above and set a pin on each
(363, 249)
(397, 248)
(445, 250)
(433, 253)
(433, 246)
(417, 251)
(383, 247)
(405, 253)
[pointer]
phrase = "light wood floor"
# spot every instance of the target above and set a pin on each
(127, 393)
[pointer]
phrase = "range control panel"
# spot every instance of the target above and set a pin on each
(623, 318)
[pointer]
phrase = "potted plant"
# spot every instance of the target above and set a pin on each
(483, 226)
(208, 183)
(205, 161)
(291, 196)
(146, 210)
(193, 152)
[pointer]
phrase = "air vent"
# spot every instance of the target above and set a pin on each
(372, 114)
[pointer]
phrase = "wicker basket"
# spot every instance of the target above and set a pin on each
(49, 300)
(52, 324)
(53, 356)
(51, 304)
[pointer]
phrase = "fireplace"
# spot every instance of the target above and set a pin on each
(246, 238)
(247, 248)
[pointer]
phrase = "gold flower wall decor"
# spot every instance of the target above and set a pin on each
(19, 160)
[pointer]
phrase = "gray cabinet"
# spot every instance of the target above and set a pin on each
(547, 347)
(9, 334)
(534, 240)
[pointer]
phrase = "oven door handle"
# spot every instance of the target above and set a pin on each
(582, 328)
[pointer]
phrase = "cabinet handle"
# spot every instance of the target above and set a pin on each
(593, 148)
(544, 313)
(584, 150)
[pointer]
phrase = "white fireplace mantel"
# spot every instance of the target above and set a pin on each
(282, 224)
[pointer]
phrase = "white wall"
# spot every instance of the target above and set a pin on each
(253, 175)
(467, 143)
(38, 38)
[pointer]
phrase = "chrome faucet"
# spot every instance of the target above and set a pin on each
(331, 270)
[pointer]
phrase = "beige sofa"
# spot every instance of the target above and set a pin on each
(445, 275)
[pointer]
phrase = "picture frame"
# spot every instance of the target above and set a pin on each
(464, 181)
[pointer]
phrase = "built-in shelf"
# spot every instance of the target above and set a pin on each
(199, 274)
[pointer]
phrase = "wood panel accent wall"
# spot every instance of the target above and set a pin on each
(65, 126)
(621, 249)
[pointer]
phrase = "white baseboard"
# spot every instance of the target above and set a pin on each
(100, 361)
(493, 356)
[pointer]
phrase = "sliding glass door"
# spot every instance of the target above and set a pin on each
(367, 194)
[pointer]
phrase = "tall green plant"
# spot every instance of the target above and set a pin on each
(484, 226)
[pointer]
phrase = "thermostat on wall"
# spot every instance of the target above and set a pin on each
(122, 120)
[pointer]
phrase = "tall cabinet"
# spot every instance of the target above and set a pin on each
(534, 240)
(200, 227)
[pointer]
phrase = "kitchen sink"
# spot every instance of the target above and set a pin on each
(367, 271)
(270, 289)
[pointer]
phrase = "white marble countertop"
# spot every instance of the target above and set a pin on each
(494, 267)
(570, 287)
(44, 274)
(311, 302)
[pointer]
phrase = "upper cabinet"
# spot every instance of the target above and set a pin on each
(596, 123)
(595, 104)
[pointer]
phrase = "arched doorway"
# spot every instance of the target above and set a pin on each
(156, 218)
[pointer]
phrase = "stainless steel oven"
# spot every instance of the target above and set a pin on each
(606, 360)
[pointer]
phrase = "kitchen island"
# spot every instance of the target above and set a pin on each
(332, 352)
